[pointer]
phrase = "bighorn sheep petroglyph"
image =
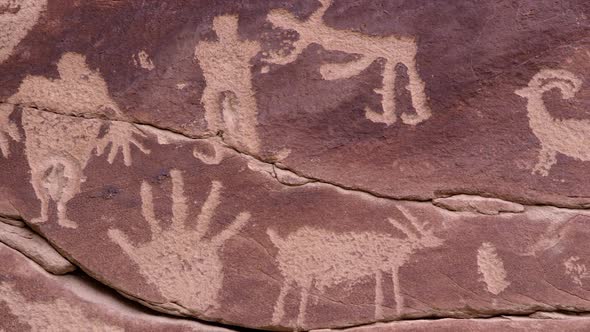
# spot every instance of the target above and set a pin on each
(570, 137)
(391, 49)
(182, 261)
(316, 258)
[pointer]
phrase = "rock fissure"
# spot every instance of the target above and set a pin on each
(509, 206)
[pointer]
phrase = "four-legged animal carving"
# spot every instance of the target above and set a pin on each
(391, 49)
(570, 137)
(315, 258)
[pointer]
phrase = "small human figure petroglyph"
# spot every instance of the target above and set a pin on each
(183, 263)
(17, 18)
(576, 270)
(368, 49)
(228, 98)
(143, 60)
(8, 130)
(58, 146)
(54, 316)
(570, 137)
(491, 268)
(316, 258)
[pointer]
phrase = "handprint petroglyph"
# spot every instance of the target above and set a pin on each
(59, 146)
(570, 137)
(228, 98)
(392, 50)
(181, 260)
(315, 258)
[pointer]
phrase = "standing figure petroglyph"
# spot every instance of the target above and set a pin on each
(181, 260)
(314, 258)
(392, 50)
(570, 137)
(228, 98)
(58, 146)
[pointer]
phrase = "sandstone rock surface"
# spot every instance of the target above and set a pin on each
(304, 164)
(34, 300)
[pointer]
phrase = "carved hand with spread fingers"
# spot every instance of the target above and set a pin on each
(180, 260)
(120, 137)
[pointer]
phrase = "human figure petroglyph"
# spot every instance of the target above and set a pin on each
(17, 18)
(228, 98)
(56, 315)
(59, 146)
(368, 49)
(8, 130)
(491, 268)
(315, 258)
(570, 137)
(183, 263)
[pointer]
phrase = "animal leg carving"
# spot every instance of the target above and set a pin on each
(279, 309)
(399, 301)
(379, 294)
(547, 158)
(303, 305)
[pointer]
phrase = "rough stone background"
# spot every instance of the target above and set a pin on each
(294, 165)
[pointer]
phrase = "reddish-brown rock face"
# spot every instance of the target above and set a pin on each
(302, 164)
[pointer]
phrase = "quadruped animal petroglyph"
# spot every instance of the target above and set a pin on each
(181, 261)
(569, 137)
(313, 258)
(392, 50)
(59, 146)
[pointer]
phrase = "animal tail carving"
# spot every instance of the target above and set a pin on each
(275, 238)
(548, 79)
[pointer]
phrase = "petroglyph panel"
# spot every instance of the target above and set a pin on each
(303, 164)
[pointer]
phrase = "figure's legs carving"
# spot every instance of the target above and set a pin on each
(416, 87)
(387, 92)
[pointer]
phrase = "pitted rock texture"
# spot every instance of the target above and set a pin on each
(34, 300)
(304, 164)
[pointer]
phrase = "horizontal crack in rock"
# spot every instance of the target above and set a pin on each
(278, 167)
